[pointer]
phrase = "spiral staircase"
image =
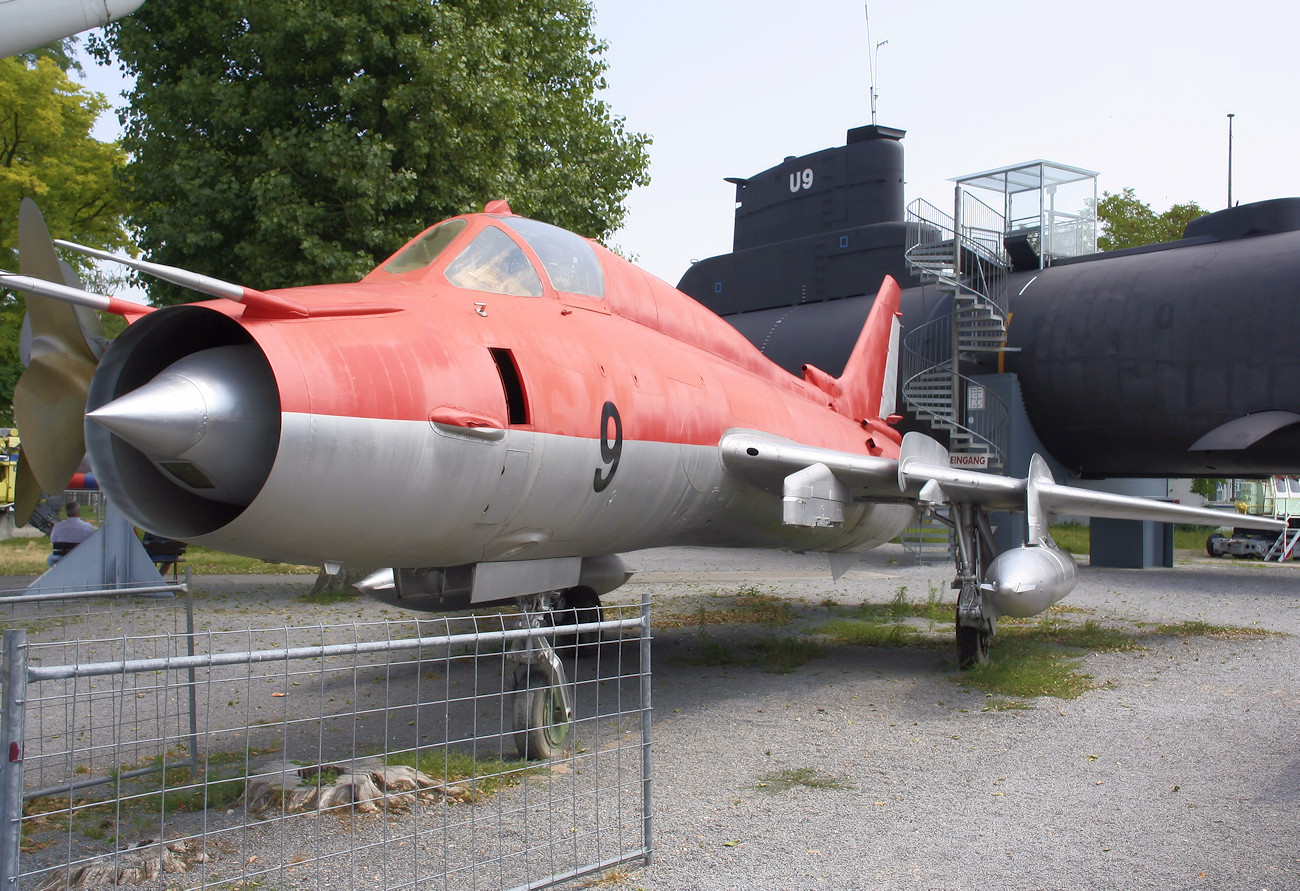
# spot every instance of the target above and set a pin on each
(967, 261)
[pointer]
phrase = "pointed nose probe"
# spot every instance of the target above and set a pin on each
(210, 421)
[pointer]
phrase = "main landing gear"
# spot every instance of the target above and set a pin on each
(542, 707)
(972, 552)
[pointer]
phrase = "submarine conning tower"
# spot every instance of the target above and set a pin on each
(812, 228)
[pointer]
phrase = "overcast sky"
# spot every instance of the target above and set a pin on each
(1138, 90)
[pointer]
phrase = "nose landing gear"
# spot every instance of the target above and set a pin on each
(542, 710)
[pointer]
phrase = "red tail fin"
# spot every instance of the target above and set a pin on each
(868, 387)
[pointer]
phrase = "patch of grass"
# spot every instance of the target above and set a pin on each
(329, 596)
(716, 655)
(1192, 538)
(26, 556)
(1074, 537)
(1196, 628)
(204, 561)
(868, 633)
(1033, 658)
(885, 625)
(100, 812)
(782, 655)
(484, 776)
(900, 607)
(777, 781)
(1091, 635)
(748, 605)
(1021, 668)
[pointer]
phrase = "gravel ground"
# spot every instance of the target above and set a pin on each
(1176, 771)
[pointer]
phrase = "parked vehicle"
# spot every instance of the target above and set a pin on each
(1278, 497)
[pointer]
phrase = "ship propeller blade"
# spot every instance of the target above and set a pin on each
(50, 397)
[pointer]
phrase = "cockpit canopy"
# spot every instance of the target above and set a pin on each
(494, 261)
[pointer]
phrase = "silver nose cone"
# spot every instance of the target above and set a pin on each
(164, 418)
(210, 421)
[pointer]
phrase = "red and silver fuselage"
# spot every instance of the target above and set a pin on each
(409, 423)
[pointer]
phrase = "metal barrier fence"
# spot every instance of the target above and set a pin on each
(71, 625)
(377, 754)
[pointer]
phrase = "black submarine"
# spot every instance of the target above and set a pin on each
(1177, 359)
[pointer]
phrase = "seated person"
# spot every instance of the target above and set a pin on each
(69, 533)
(164, 552)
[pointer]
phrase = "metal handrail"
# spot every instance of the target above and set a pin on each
(929, 228)
(925, 353)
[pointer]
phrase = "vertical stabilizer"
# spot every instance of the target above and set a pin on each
(868, 388)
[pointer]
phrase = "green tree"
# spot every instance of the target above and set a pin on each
(1128, 222)
(280, 143)
(48, 154)
(1207, 488)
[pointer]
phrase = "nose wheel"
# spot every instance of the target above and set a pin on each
(542, 720)
(541, 711)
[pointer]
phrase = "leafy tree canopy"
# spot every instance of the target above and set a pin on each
(280, 143)
(1207, 488)
(48, 154)
(1128, 222)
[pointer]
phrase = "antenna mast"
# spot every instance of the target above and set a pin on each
(872, 53)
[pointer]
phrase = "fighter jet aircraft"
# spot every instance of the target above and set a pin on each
(500, 409)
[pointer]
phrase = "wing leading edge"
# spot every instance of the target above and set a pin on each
(921, 475)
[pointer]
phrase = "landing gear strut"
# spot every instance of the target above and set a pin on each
(972, 552)
(542, 711)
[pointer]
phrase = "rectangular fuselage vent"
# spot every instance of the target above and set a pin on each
(512, 384)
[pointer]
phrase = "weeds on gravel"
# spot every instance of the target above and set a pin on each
(747, 605)
(1041, 658)
(885, 625)
(866, 633)
(1195, 628)
(782, 655)
(899, 607)
(137, 804)
(329, 597)
(777, 781)
(1091, 635)
(484, 776)
(1025, 669)
(26, 556)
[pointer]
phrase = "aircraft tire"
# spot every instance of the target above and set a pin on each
(540, 728)
(581, 604)
(972, 647)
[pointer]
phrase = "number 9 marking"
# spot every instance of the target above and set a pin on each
(610, 452)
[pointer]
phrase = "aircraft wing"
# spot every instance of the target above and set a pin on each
(921, 475)
(766, 461)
